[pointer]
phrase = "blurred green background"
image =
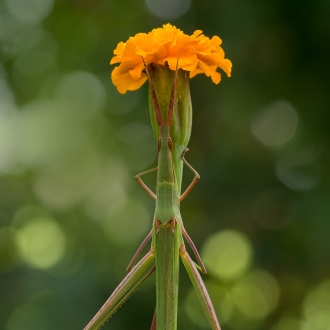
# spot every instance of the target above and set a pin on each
(71, 215)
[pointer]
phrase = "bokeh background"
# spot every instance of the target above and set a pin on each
(71, 215)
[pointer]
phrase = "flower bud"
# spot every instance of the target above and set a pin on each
(163, 78)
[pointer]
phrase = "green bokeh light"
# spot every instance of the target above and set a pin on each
(290, 323)
(256, 295)
(128, 223)
(8, 252)
(227, 254)
(317, 307)
(30, 11)
(29, 316)
(41, 243)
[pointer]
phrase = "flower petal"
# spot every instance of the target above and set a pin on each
(125, 82)
(210, 72)
(195, 53)
(137, 84)
(136, 72)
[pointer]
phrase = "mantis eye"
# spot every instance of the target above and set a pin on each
(170, 143)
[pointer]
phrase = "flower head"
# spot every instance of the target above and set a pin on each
(196, 53)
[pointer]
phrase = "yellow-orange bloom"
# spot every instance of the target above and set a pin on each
(197, 54)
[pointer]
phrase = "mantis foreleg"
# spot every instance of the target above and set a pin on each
(194, 181)
(143, 185)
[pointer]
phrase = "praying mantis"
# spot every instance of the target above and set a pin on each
(167, 235)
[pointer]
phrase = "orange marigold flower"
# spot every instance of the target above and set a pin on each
(197, 54)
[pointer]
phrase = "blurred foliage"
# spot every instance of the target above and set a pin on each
(71, 215)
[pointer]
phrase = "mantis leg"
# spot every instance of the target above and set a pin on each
(153, 323)
(139, 250)
(143, 185)
(193, 247)
(194, 181)
(200, 288)
(130, 292)
(129, 284)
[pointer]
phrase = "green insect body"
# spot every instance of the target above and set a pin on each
(167, 241)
